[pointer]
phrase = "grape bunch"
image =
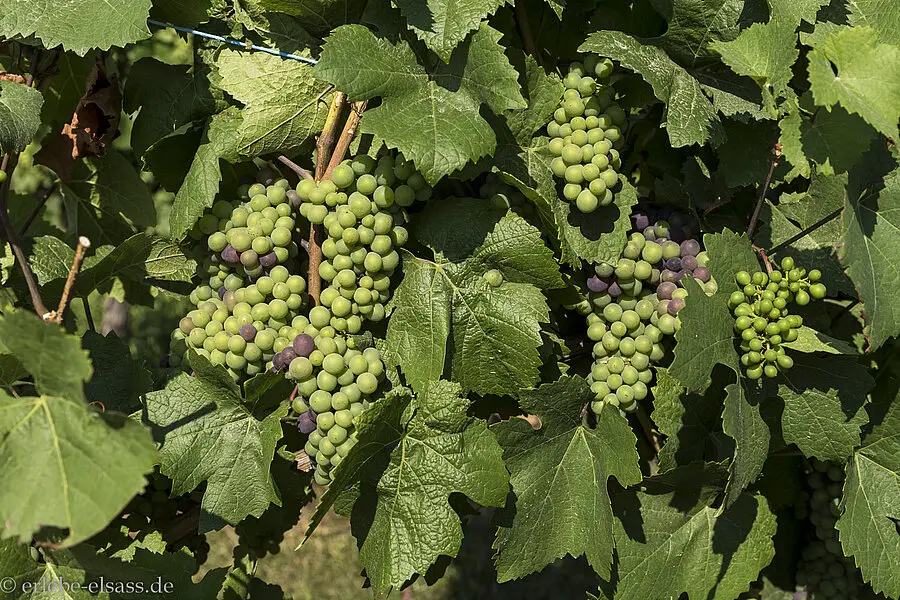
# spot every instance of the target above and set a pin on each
(256, 235)
(635, 304)
(334, 383)
(823, 569)
(242, 329)
(155, 509)
(762, 317)
(586, 133)
(362, 208)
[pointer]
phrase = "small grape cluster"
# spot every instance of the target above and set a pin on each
(257, 234)
(586, 132)
(762, 318)
(362, 208)
(823, 570)
(155, 509)
(243, 328)
(334, 383)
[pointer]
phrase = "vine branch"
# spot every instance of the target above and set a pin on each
(349, 131)
(764, 257)
(807, 231)
(776, 157)
(647, 427)
(38, 207)
(324, 146)
(525, 31)
(74, 270)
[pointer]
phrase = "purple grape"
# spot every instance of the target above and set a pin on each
(665, 290)
(676, 234)
(248, 332)
(293, 198)
(278, 363)
(689, 262)
(230, 255)
(702, 274)
(679, 275)
(673, 264)
(676, 219)
(640, 221)
(164, 362)
(288, 354)
(249, 259)
(690, 248)
(597, 285)
(675, 305)
(668, 275)
(306, 423)
(268, 260)
(222, 291)
(303, 345)
(614, 290)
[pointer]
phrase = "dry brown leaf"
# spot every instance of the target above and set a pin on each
(4, 76)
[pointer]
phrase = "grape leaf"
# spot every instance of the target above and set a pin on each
(600, 235)
(84, 466)
(378, 430)
(201, 184)
(694, 548)
(559, 474)
(743, 421)
(408, 521)
(746, 154)
(493, 333)
(20, 115)
(168, 97)
(687, 420)
(438, 129)
(318, 17)
(870, 251)
(694, 25)
(443, 24)
(811, 340)
(210, 434)
(765, 52)
(119, 380)
(868, 526)
(793, 11)
(77, 25)
(55, 359)
(880, 15)
(690, 117)
(284, 104)
(106, 199)
(851, 68)
(823, 405)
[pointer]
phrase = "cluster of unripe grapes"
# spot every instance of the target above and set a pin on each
(154, 510)
(362, 209)
(823, 570)
(586, 132)
(762, 318)
(245, 327)
(634, 304)
(334, 383)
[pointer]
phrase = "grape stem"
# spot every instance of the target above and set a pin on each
(87, 314)
(765, 258)
(74, 270)
(776, 157)
(807, 231)
(525, 31)
(647, 428)
(300, 171)
(40, 205)
(323, 153)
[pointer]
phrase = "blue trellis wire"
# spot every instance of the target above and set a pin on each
(244, 45)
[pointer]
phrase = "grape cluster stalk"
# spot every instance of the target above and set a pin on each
(633, 305)
(586, 134)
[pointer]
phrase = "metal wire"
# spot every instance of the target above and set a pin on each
(239, 44)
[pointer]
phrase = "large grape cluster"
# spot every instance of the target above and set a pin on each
(334, 383)
(586, 132)
(362, 209)
(634, 305)
(823, 570)
(762, 318)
